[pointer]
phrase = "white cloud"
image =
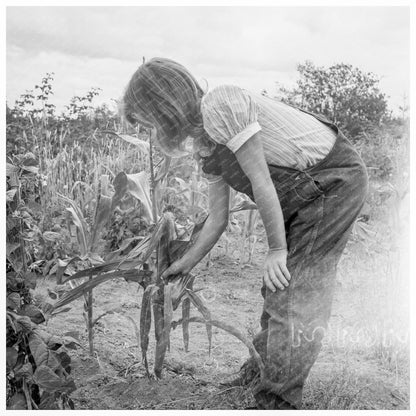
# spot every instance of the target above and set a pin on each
(250, 46)
(73, 75)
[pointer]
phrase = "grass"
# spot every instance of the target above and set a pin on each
(365, 356)
(342, 390)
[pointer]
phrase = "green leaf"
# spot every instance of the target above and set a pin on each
(93, 271)
(69, 386)
(10, 194)
(125, 247)
(30, 169)
(70, 342)
(30, 280)
(137, 185)
(22, 323)
(29, 159)
(79, 222)
(11, 170)
(143, 251)
(11, 247)
(53, 295)
(45, 378)
(62, 266)
(177, 248)
(65, 361)
(95, 259)
(82, 232)
(48, 401)
(72, 334)
(42, 355)
(13, 300)
(14, 282)
(102, 214)
(51, 236)
(142, 145)
(46, 308)
(130, 275)
(25, 372)
(34, 313)
(11, 358)
(17, 402)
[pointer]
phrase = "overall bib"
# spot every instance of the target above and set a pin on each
(320, 205)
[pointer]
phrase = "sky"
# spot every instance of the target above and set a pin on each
(253, 47)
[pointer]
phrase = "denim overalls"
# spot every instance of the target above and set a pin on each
(320, 205)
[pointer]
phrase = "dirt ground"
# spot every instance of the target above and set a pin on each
(351, 373)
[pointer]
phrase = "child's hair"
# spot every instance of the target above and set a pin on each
(162, 93)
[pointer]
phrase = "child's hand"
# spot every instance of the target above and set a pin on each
(276, 274)
(177, 267)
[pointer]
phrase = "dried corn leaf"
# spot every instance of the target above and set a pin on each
(179, 288)
(142, 252)
(141, 276)
(186, 309)
(243, 205)
(163, 340)
(145, 324)
(199, 304)
(177, 248)
(92, 271)
(230, 329)
(142, 145)
(163, 169)
(62, 266)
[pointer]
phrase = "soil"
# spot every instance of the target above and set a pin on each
(346, 375)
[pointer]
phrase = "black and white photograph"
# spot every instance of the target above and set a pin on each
(208, 206)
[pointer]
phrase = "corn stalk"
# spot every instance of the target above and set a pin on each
(159, 297)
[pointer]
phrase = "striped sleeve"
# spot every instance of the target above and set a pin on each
(230, 116)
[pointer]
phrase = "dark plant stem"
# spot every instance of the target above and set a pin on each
(21, 239)
(186, 310)
(90, 321)
(152, 178)
(27, 395)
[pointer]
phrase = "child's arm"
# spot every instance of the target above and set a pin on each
(219, 195)
(252, 161)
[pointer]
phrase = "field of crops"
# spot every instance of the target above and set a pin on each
(95, 213)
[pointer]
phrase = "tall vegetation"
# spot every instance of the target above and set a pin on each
(90, 199)
(346, 95)
(353, 100)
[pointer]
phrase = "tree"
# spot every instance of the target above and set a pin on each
(345, 95)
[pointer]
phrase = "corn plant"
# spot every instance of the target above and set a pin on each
(160, 298)
(135, 185)
(190, 194)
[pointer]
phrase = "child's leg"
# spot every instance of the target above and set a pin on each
(298, 316)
